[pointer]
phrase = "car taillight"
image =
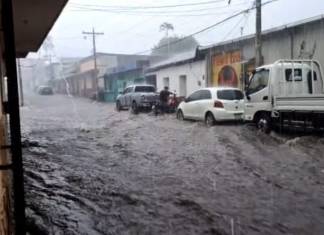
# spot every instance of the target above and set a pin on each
(218, 104)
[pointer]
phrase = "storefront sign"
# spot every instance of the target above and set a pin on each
(226, 69)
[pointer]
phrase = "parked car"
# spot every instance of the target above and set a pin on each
(288, 93)
(213, 104)
(45, 90)
(137, 97)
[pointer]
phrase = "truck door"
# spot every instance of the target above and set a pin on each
(128, 96)
(257, 94)
(314, 82)
(122, 98)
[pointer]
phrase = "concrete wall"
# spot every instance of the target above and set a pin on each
(312, 33)
(103, 62)
(195, 73)
(287, 44)
(275, 47)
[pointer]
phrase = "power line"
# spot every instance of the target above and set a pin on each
(151, 7)
(245, 17)
(245, 24)
(176, 15)
(186, 13)
(93, 8)
(207, 28)
(133, 26)
(168, 14)
(234, 27)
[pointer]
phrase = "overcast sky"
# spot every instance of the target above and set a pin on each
(128, 29)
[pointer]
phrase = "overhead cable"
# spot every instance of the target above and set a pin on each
(152, 7)
(209, 27)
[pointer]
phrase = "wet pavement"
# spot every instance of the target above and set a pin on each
(92, 170)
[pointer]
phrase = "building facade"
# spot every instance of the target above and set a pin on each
(229, 63)
(182, 73)
(118, 81)
(88, 81)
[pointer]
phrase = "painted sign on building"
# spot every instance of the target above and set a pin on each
(226, 69)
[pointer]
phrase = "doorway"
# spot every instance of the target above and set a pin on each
(166, 82)
(183, 86)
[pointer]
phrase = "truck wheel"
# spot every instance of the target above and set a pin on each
(118, 106)
(134, 108)
(155, 109)
(263, 123)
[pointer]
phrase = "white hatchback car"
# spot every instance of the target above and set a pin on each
(213, 104)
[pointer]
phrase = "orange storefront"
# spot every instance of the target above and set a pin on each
(227, 69)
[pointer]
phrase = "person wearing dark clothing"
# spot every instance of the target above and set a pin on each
(164, 99)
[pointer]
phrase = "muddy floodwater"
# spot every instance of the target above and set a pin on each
(92, 170)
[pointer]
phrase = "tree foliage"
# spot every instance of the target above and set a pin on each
(166, 27)
(172, 45)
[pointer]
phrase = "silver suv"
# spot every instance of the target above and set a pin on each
(137, 97)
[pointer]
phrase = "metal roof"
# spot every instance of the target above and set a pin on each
(174, 59)
(266, 32)
(190, 55)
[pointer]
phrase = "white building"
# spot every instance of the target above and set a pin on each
(182, 73)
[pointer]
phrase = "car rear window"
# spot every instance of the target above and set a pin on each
(144, 89)
(230, 95)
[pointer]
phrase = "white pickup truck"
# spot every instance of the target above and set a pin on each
(287, 92)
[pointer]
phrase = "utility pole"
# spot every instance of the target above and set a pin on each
(20, 84)
(258, 36)
(94, 34)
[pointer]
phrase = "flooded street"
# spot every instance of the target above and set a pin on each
(92, 170)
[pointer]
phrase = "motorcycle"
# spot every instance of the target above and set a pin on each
(171, 106)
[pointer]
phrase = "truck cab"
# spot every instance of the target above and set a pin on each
(137, 97)
(285, 86)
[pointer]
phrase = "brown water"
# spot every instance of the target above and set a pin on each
(92, 170)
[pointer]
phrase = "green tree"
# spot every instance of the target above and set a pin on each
(166, 27)
(173, 45)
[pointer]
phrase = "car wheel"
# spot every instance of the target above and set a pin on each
(155, 110)
(263, 123)
(118, 106)
(180, 115)
(209, 120)
(134, 108)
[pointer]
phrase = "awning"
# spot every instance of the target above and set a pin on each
(33, 19)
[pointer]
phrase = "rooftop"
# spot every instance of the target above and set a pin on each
(174, 59)
(268, 31)
(101, 54)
